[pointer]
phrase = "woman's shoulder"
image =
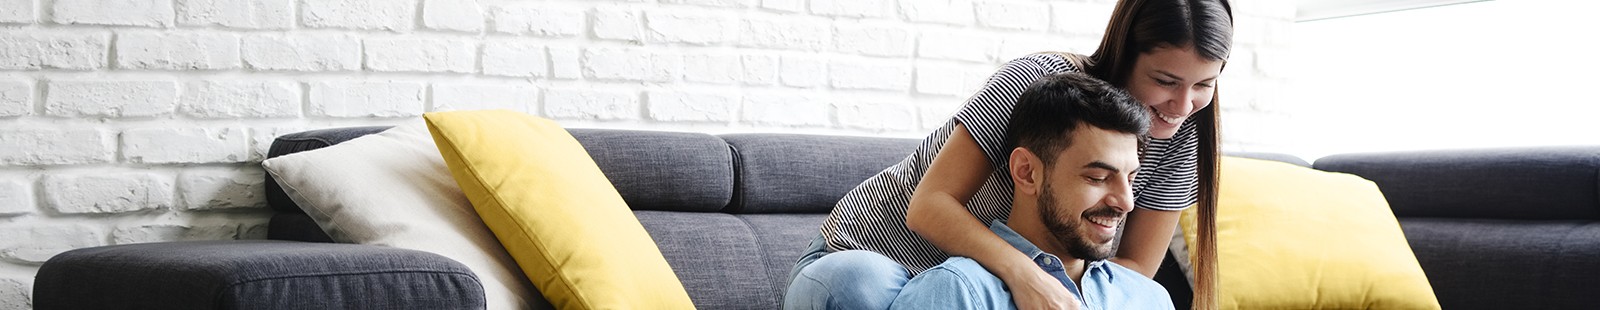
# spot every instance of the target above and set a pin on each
(1053, 62)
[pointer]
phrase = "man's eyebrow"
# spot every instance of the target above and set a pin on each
(1102, 165)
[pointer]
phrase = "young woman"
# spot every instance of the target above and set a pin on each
(933, 205)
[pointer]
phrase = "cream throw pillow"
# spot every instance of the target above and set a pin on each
(393, 189)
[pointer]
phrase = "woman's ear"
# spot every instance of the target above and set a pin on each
(1026, 170)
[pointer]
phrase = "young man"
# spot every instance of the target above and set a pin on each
(1075, 144)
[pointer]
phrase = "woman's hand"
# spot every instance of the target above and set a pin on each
(1032, 288)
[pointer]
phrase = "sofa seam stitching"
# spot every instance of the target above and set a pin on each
(760, 248)
(220, 293)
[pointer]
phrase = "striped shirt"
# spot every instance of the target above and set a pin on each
(873, 215)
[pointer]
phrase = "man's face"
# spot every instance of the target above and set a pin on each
(1087, 192)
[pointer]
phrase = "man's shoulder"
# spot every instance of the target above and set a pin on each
(958, 283)
(964, 269)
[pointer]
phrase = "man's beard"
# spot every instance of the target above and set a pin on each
(1069, 231)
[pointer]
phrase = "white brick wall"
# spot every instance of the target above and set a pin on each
(17, 11)
(54, 146)
(169, 145)
(302, 52)
(455, 96)
(145, 120)
(16, 98)
(32, 245)
(173, 232)
(602, 104)
(457, 15)
(147, 13)
(692, 106)
(243, 14)
(177, 51)
(85, 50)
(359, 14)
(241, 99)
(80, 193)
(111, 98)
(406, 54)
(216, 189)
(15, 199)
(366, 99)
(18, 293)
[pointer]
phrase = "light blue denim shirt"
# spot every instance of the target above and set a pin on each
(960, 283)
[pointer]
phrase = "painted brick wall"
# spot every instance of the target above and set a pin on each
(144, 120)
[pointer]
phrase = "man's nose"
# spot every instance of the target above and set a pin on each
(1121, 197)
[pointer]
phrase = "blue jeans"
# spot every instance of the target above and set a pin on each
(854, 279)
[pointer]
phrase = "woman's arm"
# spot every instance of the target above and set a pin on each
(938, 213)
(1144, 240)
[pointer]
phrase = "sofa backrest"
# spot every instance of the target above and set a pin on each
(729, 213)
(1529, 183)
(694, 172)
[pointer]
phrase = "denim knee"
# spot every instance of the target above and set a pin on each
(853, 279)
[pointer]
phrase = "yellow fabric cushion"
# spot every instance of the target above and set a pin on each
(559, 217)
(1290, 237)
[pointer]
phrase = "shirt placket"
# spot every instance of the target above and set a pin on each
(1052, 265)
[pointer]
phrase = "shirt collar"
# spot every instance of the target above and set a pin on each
(1028, 248)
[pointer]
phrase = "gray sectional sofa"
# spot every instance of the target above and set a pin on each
(1493, 229)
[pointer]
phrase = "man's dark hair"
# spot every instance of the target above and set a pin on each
(1048, 111)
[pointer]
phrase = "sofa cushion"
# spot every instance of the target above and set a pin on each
(791, 173)
(1508, 264)
(732, 261)
(555, 211)
(254, 274)
(393, 189)
(659, 170)
(1295, 238)
(1549, 183)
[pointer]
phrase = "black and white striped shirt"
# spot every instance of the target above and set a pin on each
(873, 215)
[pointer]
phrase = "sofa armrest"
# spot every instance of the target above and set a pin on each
(254, 274)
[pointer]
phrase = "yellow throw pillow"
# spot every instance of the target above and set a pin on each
(539, 192)
(1291, 237)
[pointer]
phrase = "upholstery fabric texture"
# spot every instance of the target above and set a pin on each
(393, 189)
(806, 173)
(732, 261)
(555, 212)
(657, 170)
(254, 274)
(1295, 238)
(1470, 265)
(1563, 182)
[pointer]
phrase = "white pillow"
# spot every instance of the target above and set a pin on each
(393, 189)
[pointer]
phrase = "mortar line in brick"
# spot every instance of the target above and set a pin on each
(416, 19)
(111, 51)
(427, 97)
(305, 98)
(37, 102)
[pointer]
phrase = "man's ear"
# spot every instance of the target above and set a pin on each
(1026, 171)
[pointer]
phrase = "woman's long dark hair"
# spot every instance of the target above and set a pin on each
(1139, 26)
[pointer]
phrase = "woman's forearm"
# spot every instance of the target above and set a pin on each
(938, 209)
(1144, 240)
